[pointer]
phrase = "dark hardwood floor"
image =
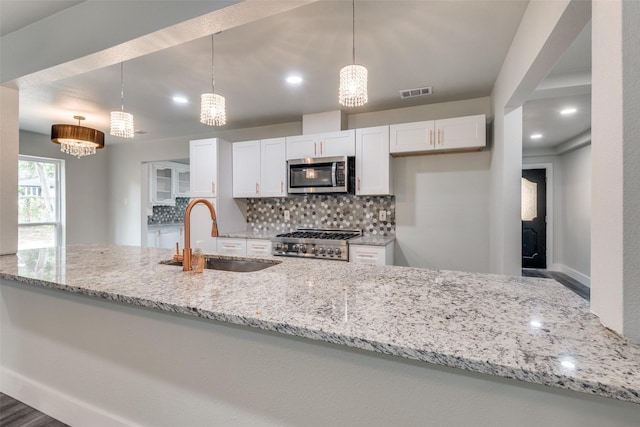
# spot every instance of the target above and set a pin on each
(565, 280)
(14, 413)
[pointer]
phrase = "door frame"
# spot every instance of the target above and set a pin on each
(549, 184)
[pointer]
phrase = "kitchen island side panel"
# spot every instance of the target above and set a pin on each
(135, 366)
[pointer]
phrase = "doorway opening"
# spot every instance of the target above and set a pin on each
(534, 218)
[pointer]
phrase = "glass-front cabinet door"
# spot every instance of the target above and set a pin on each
(162, 184)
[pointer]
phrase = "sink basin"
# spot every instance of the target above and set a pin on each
(237, 265)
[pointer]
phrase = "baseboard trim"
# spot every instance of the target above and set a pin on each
(60, 406)
(574, 274)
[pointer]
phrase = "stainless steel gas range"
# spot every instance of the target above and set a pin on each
(314, 243)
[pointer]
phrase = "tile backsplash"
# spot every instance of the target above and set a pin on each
(169, 214)
(323, 211)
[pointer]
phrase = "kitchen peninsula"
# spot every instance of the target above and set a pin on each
(105, 332)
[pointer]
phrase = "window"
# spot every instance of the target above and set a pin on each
(40, 202)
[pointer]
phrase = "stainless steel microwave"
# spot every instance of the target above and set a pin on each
(321, 175)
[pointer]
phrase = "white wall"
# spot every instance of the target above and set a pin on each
(571, 187)
(8, 170)
(575, 220)
(86, 192)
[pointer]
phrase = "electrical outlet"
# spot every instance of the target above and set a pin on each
(286, 216)
(382, 215)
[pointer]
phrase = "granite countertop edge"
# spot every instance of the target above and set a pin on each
(614, 389)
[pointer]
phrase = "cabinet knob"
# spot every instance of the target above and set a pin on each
(213, 187)
(257, 188)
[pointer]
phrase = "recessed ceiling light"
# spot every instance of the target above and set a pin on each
(294, 79)
(568, 111)
(180, 100)
(536, 136)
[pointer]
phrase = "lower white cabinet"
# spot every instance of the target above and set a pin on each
(229, 246)
(165, 237)
(258, 247)
(378, 255)
(239, 246)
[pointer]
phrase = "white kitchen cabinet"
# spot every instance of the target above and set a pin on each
(203, 157)
(246, 169)
(165, 236)
(330, 144)
(273, 168)
(456, 134)
(229, 246)
(461, 133)
(258, 247)
(373, 162)
(365, 254)
(162, 186)
(182, 180)
(259, 168)
(211, 178)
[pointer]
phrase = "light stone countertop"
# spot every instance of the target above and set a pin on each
(369, 240)
(529, 329)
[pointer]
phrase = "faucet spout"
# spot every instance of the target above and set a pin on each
(186, 251)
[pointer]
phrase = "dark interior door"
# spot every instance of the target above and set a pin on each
(534, 218)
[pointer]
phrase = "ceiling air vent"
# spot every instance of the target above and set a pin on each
(411, 93)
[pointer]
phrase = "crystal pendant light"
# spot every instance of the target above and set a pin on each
(212, 106)
(121, 122)
(353, 78)
(77, 140)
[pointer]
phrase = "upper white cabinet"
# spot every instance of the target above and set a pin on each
(182, 180)
(273, 168)
(203, 157)
(162, 184)
(246, 169)
(340, 143)
(259, 168)
(455, 134)
(373, 162)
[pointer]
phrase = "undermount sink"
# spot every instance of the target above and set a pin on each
(237, 265)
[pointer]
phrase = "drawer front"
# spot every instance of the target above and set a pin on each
(367, 255)
(232, 246)
(259, 247)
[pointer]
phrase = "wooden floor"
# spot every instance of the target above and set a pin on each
(14, 413)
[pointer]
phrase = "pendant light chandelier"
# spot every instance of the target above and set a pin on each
(353, 78)
(77, 140)
(212, 106)
(121, 122)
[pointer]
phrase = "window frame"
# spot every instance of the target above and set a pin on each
(59, 224)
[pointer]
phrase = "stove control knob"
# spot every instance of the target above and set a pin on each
(278, 246)
(302, 248)
(329, 251)
(321, 251)
(338, 251)
(314, 250)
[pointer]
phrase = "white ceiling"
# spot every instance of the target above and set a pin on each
(455, 46)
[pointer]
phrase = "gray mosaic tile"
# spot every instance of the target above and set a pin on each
(169, 214)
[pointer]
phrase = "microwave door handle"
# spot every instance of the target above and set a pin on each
(333, 174)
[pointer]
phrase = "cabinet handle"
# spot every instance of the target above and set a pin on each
(358, 183)
(257, 188)
(321, 148)
(438, 136)
(281, 187)
(430, 136)
(314, 149)
(213, 187)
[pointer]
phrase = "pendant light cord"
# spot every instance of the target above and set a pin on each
(353, 29)
(122, 86)
(213, 81)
